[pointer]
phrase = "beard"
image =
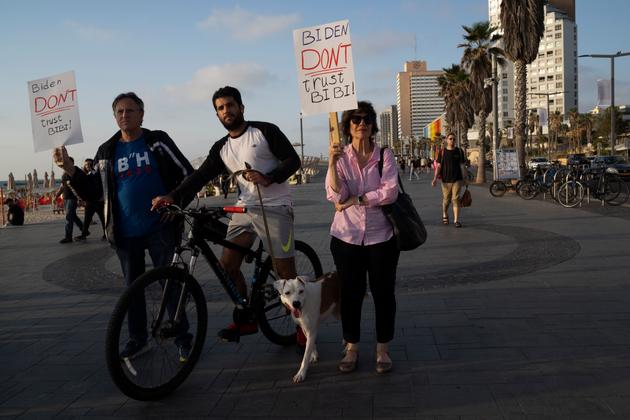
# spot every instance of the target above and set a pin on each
(236, 122)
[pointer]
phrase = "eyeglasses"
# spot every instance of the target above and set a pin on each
(356, 119)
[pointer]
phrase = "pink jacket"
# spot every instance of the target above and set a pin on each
(365, 224)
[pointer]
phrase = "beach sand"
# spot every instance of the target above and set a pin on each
(43, 214)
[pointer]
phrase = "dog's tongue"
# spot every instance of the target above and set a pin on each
(296, 313)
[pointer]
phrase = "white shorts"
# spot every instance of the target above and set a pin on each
(280, 222)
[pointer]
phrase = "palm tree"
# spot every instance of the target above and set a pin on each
(532, 123)
(523, 23)
(455, 89)
(574, 134)
(477, 61)
(555, 123)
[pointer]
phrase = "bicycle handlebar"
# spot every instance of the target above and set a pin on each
(201, 211)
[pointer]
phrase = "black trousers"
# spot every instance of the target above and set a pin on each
(92, 207)
(378, 262)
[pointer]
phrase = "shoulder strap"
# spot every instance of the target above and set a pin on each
(380, 162)
(380, 169)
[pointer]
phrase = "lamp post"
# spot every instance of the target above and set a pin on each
(548, 94)
(494, 82)
(612, 92)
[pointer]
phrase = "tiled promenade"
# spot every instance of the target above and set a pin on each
(522, 314)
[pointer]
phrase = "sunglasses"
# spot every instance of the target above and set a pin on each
(356, 119)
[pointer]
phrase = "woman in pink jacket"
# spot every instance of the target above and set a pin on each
(362, 243)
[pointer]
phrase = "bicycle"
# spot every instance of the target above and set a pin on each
(498, 188)
(176, 306)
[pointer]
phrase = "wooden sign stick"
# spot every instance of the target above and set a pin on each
(333, 126)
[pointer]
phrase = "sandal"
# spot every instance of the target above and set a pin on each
(458, 225)
(383, 367)
(445, 220)
(347, 366)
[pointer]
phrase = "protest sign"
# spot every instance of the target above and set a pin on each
(54, 111)
(325, 71)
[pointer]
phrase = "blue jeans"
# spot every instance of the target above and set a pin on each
(161, 246)
(70, 208)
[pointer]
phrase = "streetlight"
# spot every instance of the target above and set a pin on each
(548, 94)
(612, 92)
(493, 82)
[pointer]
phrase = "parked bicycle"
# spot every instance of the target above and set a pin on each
(498, 188)
(176, 306)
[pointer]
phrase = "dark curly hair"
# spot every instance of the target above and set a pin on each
(227, 91)
(362, 107)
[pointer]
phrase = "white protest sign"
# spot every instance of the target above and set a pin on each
(54, 111)
(325, 71)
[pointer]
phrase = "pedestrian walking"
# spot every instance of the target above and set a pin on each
(70, 204)
(91, 206)
(362, 243)
(448, 169)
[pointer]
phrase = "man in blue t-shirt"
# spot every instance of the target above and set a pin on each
(134, 166)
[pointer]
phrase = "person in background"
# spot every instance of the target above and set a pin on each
(134, 165)
(363, 245)
(15, 214)
(449, 163)
(70, 203)
(91, 207)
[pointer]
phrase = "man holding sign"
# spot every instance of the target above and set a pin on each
(271, 160)
(134, 165)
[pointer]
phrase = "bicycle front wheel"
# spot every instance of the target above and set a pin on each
(570, 194)
(273, 318)
(168, 312)
(498, 188)
(615, 190)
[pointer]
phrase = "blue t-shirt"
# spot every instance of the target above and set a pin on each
(137, 182)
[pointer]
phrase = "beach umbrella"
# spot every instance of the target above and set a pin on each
(46, 180)
(35, 179)
(29, 182)
(52, 179)
(11, 183)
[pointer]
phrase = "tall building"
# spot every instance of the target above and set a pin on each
(555, 69)
(417, 98)
(554, 73)
(388, 126)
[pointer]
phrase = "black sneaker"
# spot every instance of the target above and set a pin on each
(183, 352)
(80, 238)
(134, 349)
(65, 241)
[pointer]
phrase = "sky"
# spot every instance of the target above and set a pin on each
(174, 55)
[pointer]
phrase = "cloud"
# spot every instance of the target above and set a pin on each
(89, 33)
(244, 25)
(208, 79)
(380, 43)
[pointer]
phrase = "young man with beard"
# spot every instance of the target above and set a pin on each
(272, 160)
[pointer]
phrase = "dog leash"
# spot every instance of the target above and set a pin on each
(262, 208)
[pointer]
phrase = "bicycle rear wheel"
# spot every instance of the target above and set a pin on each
(274, 320)
(161, 366)
(498, 188)
(570, 194)
(528, 189)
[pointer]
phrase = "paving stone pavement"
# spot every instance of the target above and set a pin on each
(522, 314)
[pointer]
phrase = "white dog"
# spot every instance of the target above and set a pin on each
(309, 302)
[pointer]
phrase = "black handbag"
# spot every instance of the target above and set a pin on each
(408, 228)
